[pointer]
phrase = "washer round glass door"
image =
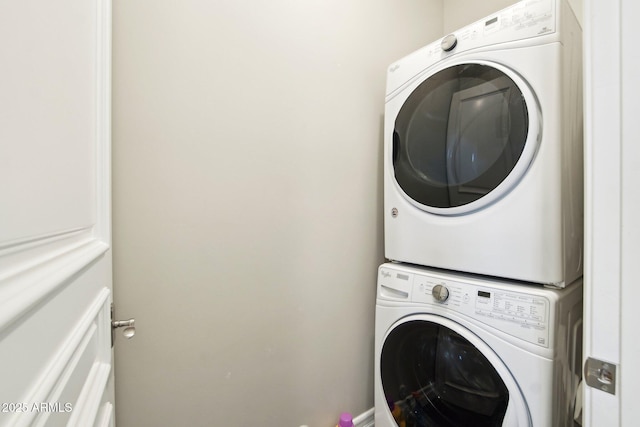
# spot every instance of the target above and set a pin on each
(434, 374)
(464, 137)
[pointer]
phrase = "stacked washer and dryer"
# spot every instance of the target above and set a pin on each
(479, 311)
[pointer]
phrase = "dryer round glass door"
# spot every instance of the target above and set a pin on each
(437, 375)
(464, 136)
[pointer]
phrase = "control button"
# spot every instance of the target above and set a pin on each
(440, 293)
(449, 42)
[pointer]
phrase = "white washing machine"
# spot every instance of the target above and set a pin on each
(462, 350)
(483, 148)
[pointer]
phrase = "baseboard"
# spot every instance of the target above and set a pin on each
(366, 419)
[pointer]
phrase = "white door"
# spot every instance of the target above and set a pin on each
(55, 260)
(612, 208)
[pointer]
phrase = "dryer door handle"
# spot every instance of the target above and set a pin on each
(396, 146)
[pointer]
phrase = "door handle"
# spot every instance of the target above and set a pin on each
(129, 327)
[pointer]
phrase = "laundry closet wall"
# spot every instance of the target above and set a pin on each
(247, 204)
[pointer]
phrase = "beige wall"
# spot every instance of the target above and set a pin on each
(247, 204)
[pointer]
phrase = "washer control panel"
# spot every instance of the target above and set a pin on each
(525, 315)
(520, 314)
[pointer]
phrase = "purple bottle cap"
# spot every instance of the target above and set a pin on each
(346, 420)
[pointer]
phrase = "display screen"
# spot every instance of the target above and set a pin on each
(484, 294)
(491, 21)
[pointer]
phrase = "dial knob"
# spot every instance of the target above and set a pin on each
(440, 293)
(449, 43)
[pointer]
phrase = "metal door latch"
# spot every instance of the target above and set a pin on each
(600, 375)
(129, 327)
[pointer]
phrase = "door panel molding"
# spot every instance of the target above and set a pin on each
(102, 227)
(91, 396)
(18, 257)
(33, 281)
(76, 373)
(105, 419)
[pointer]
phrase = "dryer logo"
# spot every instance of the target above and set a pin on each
(545, 30)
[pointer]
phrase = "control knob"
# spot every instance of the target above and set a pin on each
(440, 293)
(449, 43)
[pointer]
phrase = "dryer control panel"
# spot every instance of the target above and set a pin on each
(517, 22)
(521, 21)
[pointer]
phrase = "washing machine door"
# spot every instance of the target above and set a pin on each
(436, 373)
(464, 137)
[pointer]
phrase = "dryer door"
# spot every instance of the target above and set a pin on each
(464, 137)
(436, 373)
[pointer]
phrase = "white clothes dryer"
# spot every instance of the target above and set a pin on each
(483, 148)
(463, 350)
